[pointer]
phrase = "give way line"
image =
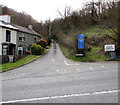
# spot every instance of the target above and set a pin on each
(62, 96)
(70, 64)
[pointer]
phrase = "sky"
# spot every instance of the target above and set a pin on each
(42, 10)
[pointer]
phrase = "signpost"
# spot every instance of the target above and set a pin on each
(111, 49)
(80, 45)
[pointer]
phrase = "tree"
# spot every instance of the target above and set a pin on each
(42, 43)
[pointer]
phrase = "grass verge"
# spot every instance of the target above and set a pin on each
(91, 56)
(20, 62)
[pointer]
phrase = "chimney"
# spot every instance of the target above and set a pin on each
(5, 18)
(30, 27)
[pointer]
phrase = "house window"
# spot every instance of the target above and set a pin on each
(8, 36)
(22, 37)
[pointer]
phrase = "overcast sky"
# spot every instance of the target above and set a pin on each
(43, 9)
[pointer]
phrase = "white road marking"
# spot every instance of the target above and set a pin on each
(102, 66)
(63, 96)
(52, 59)
(78, 69)
(70, 64)
(66, 63)
(90, 68)
(61, 70)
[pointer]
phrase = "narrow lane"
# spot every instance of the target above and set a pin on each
(54, 75)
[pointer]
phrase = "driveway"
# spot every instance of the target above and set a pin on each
(56, 79)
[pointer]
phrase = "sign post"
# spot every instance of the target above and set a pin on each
(111, 49)
(80, 45)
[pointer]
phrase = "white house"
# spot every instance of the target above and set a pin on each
(14, 39)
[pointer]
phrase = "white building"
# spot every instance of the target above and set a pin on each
(14, 39)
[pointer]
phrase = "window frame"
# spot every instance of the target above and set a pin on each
(22, 37)
(8, 36)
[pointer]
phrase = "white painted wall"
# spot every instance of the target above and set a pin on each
(5, 18)
(0, 40)
(3, 37)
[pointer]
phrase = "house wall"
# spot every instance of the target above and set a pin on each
(13, 35)
(0, 40)
(29, 40)
(3, 37)
(0, 44)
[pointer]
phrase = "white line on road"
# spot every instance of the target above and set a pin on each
(78, 69)
(90, 68)
(62, 96)
(70, 64)
(61, 70)
(52, 59)
(102, 66)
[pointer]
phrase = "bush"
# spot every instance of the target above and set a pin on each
(27, 52)
(36, 49)
(42, 43)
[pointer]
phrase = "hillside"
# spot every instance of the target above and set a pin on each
(95, 39)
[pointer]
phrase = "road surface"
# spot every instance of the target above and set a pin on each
(56, 79)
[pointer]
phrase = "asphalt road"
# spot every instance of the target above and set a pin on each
(55, 79)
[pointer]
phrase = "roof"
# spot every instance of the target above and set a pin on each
(18, 28)
(8, 43)
(7, 25)
(26, 30)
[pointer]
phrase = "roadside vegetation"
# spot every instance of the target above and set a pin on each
(98, 21)
(20, 62)
(95, 39)
(91, 56)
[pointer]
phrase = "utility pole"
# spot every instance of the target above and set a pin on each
(49, 30)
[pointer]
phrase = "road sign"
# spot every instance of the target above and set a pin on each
(81, 36)
(80, 41)
(81, 44)
(109, 47)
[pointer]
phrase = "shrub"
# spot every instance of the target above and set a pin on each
(27, 52)
(42, 43)
(36, 49)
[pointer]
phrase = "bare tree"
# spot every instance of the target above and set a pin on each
(64, 16)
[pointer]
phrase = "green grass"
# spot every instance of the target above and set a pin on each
(91, 56)
(97, 31)
(18, 63)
